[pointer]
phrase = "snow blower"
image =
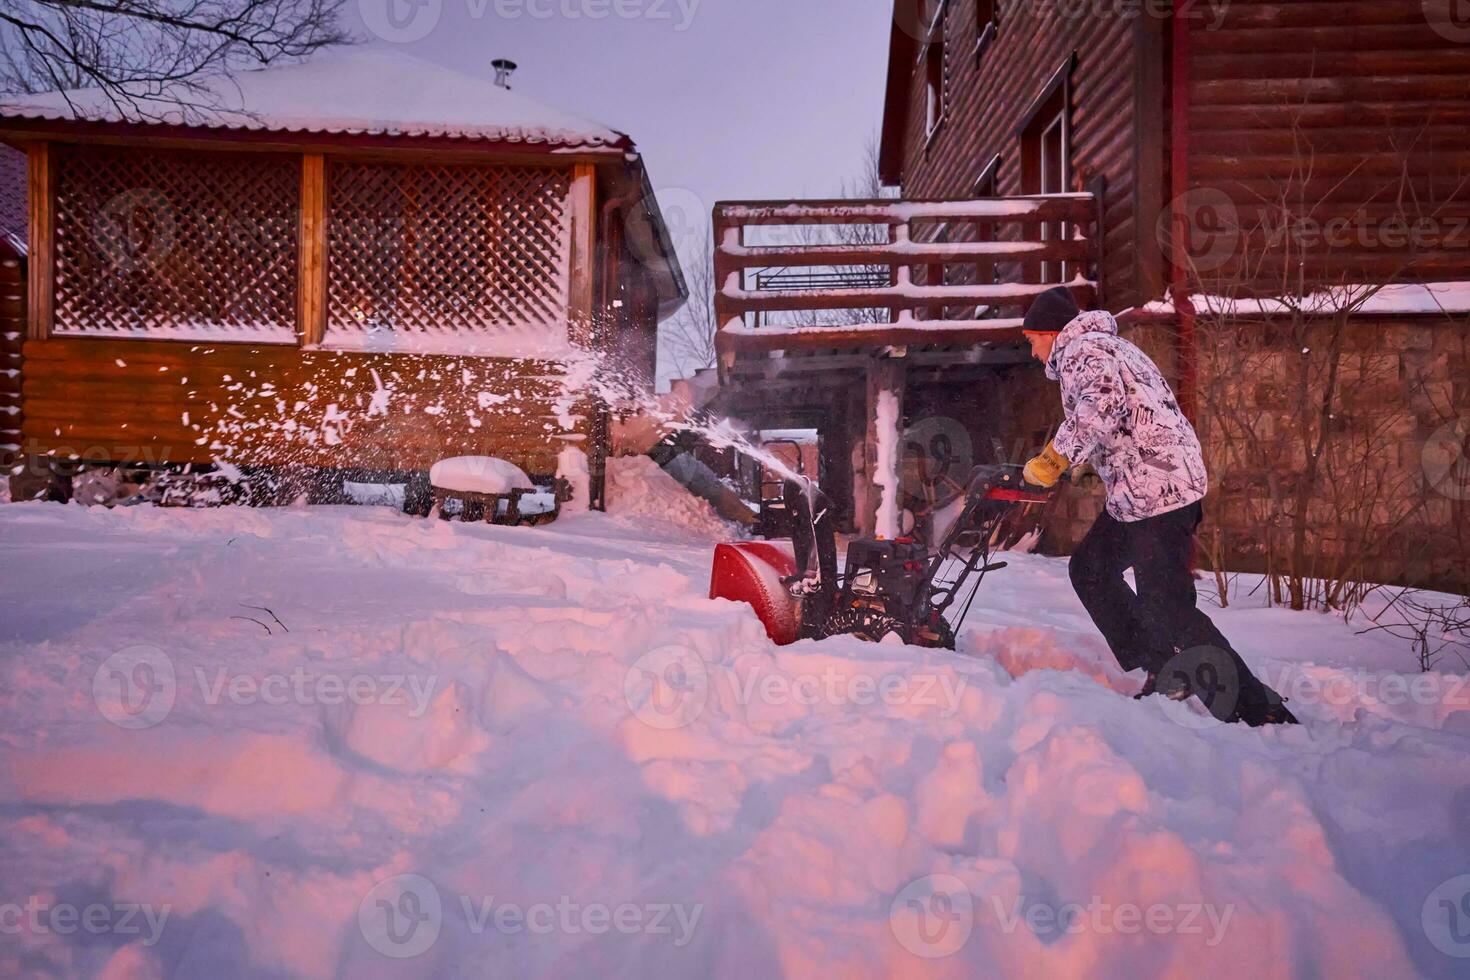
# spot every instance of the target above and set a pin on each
(888, 588)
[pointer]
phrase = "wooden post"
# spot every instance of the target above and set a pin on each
(720, 227)
(1150, 108)
(882, 452)
(582, 328)
(582, 300)
(311, 324)
(41, 262)
(1179, 218)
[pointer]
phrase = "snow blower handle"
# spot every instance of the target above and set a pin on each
(1037, 488)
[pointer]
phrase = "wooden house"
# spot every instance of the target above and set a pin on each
(364, 261)
(1185, 166)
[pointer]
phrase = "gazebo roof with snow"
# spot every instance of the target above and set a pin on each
(343, 92)
(372, 105)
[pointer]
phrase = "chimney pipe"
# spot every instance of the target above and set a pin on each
(504, 68)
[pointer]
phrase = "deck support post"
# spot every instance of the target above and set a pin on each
(882, 448)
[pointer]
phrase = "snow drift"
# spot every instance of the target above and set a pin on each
(342, 742)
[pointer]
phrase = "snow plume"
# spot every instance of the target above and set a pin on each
(345, 408)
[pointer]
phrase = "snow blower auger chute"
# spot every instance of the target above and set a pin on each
(888, 588)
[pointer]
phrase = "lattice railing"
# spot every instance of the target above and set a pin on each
(928, 273)
(443, 252)
(165, 243)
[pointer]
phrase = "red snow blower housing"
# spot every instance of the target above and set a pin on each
(888, 588)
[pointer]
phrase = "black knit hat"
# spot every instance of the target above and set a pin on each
(1051, 311)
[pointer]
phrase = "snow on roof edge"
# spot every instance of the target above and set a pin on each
(1451, 297)
(346, 91)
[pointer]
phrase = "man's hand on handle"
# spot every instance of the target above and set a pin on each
(1045, 470)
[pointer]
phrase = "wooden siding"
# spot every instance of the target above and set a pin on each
(989, 97)
(156, 402)
(1358, 111)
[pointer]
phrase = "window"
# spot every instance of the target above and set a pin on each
(935, 94)
(446, 257)
(176, 244)
(1046, 164)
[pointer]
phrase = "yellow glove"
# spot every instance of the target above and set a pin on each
(1045, 470)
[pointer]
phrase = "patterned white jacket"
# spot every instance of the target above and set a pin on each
(1124, 419)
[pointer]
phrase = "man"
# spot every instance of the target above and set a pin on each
(1122, 417)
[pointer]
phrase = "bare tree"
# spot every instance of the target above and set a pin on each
(140, 53)
(688, 338)
(866, 186)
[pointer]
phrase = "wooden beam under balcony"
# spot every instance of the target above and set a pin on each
(904, 253)
(918, 333)
(902, 297)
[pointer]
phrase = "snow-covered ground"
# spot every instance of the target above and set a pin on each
(344, 742)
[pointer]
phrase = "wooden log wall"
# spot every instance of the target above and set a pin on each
(176, 402)
(990, 92)
(1357, 112)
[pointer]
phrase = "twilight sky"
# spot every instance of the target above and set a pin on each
(727, 99)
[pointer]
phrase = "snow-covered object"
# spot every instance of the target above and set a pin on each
(356, 90)
(96, 486)
(771, 812)
(479, 474)
(1123, 418)
(571, 466)
(375, 494)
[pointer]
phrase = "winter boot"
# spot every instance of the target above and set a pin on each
(1176, 689)
(1260, 706)
(1150, 686)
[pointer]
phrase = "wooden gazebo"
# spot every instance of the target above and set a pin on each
(362, 261)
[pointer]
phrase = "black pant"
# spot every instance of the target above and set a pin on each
(1147, 628)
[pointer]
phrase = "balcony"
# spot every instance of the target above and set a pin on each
(872, 275)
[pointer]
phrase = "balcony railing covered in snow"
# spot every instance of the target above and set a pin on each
(825, 275)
